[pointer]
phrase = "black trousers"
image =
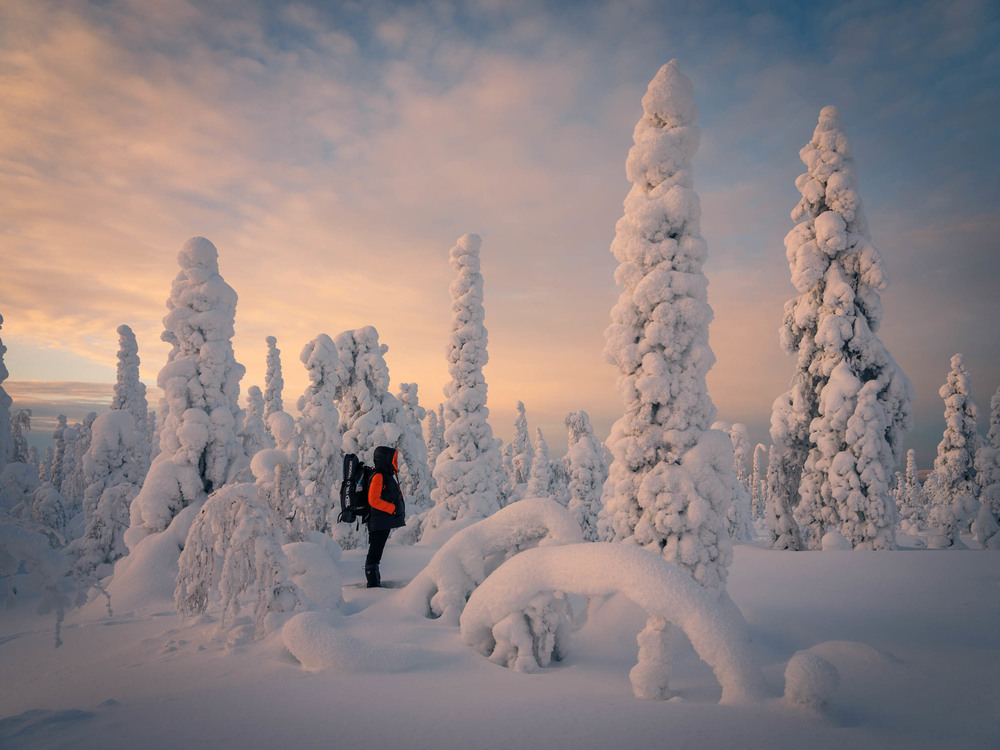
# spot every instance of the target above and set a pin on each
(376, 545)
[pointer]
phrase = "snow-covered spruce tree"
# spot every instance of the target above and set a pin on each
(952, 488)
(199, 448)
(75, 480)
(320, 455)
(20, 426)
(541, 481)
(431, 437)
(758, 484)
(153, 435)
(909, 506)
(273, 382)
(783, 531)
(114, 468)
(522, 453)
(739, 518)
(48, 464)
(842, 420)
(130, 392)
(671, 481)
(253, 432)
(6, 440)
(55, 473)
(987, 525)
(415, 478)
(370, 416)
(587, 473)
(467, 470)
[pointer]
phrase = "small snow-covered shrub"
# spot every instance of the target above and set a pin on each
(234, 525)
(463, 562)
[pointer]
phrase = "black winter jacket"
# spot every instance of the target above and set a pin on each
(388, 509)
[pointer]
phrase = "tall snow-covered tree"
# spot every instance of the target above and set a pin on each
(320, 454)
(849, 402)
(952, 487)
(522, 452)
(130, 391)
(6, 440)
(433, 446)
(587, 473)
(758, 483)
(55, 474)
(739, 517)
(908, 502)
(542, 480)
(199, 448)
(253, 431)
(370, 416)
(783, 531)
(75, 480)
(671, 481)
(20, 426)
(273, 382)
(467, 470)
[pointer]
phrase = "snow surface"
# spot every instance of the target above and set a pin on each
(913, 635)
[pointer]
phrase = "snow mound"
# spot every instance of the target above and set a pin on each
(512, 592)
(313, 569)
(834, 541)
(810, 681)
(315, 639)
(463, 562)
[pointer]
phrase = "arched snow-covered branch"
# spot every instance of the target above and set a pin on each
(665, 591)
(463, 562)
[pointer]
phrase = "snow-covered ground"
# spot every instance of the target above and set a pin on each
(914, 634)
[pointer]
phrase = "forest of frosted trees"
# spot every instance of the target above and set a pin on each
(219, 501)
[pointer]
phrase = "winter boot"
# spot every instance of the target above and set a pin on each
(373, 576)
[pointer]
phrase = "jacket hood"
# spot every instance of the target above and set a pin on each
(385, 459)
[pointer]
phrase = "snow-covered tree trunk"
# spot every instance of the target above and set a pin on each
(847, 391)
(199, 448)
(467, 470)
(671, 481)
(952, 487)
(587, 473)
(273, 382)
(320, 462)
(20, 426)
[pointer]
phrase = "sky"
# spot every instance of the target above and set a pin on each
(335, 151)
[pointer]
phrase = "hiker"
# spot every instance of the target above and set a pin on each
(388, 510)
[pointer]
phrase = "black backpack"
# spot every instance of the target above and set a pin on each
(354, 490)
